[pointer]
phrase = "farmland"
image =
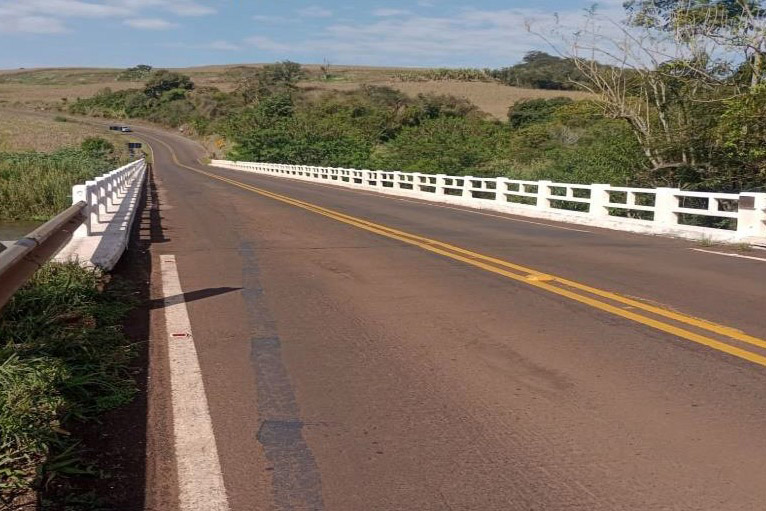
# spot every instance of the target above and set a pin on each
(46, 88)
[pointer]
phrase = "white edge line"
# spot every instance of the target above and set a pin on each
(200, 479)
(728, 254)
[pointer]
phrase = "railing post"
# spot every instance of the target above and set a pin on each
(665, 203)
(92, 205)
(467, 185)
(599, 198)
(101, 194)
(501, 187)
(80, 193)
(440, 183)
(751, 215)
(544, 194)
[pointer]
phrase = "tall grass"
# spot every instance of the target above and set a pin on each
(37, 186)
(63, 360)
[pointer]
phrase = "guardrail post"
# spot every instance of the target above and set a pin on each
(101, 193)
(92, 210)
(467, 185)
(751, 215)
(544, 194)
(440, 183)
(599, 198)
(80, 193)
(665, 204)
(501, 187)
(109, 185)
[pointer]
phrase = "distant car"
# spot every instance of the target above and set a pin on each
(125, 129)
(115, 128)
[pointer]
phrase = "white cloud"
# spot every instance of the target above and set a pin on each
(271, 19)
(149, 23)
(389, 12)
(222, 46)
(11, 22)
(405, 38)
(267, 44)
(48, 16)
(315, 12)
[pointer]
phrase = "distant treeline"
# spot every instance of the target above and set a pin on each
(537, 70)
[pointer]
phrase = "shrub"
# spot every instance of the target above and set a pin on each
(97, 147)
(162, 81)
(450, 145)
(532, 111)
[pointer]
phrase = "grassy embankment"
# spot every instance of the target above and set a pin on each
(41, 159)
(63, 361)
(63, 356)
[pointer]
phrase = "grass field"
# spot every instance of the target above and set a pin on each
(47, 87)
(30, 131)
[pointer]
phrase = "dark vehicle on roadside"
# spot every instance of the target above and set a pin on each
(115, 128)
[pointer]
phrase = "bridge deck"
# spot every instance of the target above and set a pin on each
(349, 367)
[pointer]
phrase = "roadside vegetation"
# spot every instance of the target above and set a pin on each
(63, 362)
(692, 119)
(37, 185)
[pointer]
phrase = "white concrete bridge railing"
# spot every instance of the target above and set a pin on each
(111, 202)
(721, 217)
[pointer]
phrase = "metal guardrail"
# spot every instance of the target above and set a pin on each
(90, 212)
(20, 260)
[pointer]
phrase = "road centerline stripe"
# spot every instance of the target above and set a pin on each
(200, 480)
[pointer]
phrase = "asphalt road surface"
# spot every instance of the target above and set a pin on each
(363, 352)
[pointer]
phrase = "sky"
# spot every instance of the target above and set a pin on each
(181, 33)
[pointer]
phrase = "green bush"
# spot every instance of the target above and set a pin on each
(532, 111)
(163, 81)
(449, 145)
(97, 147)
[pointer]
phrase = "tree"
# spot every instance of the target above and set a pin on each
(138, 72)
(285, 73)
(256, 83)
(540, 70)
(736, 28)
(669, 71)
(163, 80)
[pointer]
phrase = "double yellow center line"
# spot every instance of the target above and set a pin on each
(727, 339)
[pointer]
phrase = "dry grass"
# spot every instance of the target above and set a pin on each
(38, 87)
(493, 98)
(46, 87)
(30, 131)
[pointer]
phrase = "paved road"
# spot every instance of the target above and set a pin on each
(350, 368)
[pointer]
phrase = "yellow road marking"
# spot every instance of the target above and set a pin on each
(529, 276)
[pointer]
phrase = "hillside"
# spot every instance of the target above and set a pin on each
(41, 88)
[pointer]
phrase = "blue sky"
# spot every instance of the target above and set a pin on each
(178, 33)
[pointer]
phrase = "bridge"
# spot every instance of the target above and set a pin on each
(346, 339)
